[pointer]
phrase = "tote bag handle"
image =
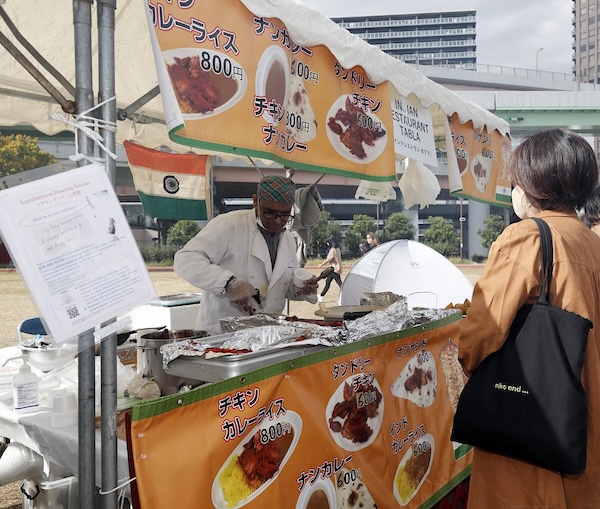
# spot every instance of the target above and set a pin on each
(547, 260)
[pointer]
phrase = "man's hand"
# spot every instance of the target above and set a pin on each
(240, 294)
(310, 286)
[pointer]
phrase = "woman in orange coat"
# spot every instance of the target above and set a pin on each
(554, 173)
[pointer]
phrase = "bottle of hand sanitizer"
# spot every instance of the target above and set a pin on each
(26, 390)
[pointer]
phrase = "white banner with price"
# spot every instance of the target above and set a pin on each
(413, 129)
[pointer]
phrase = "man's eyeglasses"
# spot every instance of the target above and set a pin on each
(284, 218)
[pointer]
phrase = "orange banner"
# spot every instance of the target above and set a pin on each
(235, 82)
(482, 159)
(367, 422)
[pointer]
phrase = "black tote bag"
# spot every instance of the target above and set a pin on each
(526, 400)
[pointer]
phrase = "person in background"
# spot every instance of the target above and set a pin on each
(591, 212)
(334, 259)
(372, 241)
(554, 173)
(245, 260)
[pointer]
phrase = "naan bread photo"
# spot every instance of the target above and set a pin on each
(351, 492)
(418, 380)
(301, 121)
(453, 372)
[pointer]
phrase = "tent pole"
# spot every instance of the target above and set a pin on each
(82, 22)
(108, 348)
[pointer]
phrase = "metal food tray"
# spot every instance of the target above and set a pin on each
(228, 366)
(178, 299)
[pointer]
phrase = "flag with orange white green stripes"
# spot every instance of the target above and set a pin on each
(171, 186)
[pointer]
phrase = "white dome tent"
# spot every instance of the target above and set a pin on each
(408, 268)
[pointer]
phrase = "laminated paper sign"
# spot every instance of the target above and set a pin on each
(361, 425)
(481, 159)
(235, 82)
(74, 248)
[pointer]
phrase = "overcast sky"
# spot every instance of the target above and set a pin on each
(509, 33)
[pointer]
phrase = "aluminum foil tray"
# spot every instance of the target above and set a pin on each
(228, 366)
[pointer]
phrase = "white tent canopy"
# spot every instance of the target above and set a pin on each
(408, 268)
(48, 26)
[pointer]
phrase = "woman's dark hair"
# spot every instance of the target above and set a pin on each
(591, 211)
(557, 169)
(332, 241)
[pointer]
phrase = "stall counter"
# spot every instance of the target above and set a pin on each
(369, 420)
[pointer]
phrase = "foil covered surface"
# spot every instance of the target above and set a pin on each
(183, 348)
(234, 323)
(254, 339)
(395, 317)
(265, 332)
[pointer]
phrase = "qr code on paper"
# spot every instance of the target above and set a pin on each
(73, 312)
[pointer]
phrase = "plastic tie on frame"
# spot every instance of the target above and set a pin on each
(86, 124)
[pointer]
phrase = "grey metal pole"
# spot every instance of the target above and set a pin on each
(82, 23)
(108, 113)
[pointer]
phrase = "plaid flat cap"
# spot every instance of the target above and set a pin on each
(275, 188)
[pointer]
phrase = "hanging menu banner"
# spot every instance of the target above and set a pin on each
(361, 425)
(235, 82)
(481, 160)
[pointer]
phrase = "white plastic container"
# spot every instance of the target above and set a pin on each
(301, 276)
(62, 493)
(26, 390)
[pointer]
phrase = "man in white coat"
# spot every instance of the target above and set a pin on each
(245, 259)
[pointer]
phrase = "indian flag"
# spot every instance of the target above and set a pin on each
(170, 186)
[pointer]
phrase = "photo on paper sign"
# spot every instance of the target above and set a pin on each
(413, 469)
(354, 412)
(481, 169)
(256, 462)
(417, 381)
(357, 135)
(319, 495)
(205, 82)
(352, 492)
(273, 81)
(462, 159)
(300, 120)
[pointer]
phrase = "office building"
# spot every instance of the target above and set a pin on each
(438, 38)
(586, 41)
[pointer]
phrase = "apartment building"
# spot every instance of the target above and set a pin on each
(586, 35)
(435, 38)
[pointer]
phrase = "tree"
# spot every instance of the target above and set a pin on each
(327, 226)
(494, 225)
(181, 232)
(441, 236)
(20, 153)
(357, 231)
(398, 226)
